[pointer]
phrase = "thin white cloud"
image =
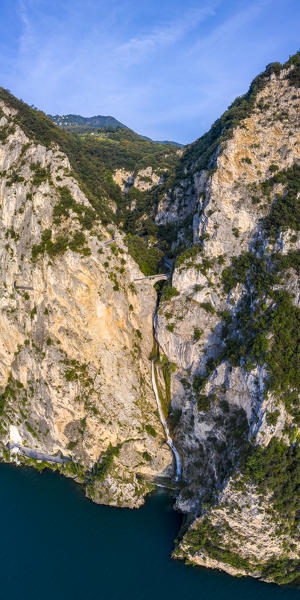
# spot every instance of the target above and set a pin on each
(224, 33)
(26, 40)
(138, 47)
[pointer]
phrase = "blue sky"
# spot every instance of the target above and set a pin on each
(165, 68)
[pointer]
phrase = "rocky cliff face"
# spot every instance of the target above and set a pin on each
(143, 179)
(76, 330)
(74, 364)
(232, 391)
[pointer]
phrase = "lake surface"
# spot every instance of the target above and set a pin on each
(56, 544)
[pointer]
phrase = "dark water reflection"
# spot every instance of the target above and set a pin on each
(55, 544)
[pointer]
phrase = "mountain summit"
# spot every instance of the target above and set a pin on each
(81, 125)
(96, 122)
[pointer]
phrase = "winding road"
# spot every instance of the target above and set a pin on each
(30, 453)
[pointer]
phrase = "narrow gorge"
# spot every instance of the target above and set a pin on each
(120, 375)
(165, 426)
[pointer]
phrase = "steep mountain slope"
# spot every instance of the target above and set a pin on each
(76, 331)
(130, 168)
(230, 324)
(78, 125)
(95, 159)
(72, 122)
(76, 328)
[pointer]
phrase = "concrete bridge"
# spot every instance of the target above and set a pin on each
(154, 278)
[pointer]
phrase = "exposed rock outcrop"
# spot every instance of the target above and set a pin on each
(143, 179)
(223, 392)
(74, 364)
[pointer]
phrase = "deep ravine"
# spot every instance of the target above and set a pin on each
(165, 425)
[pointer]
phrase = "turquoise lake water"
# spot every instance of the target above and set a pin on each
(56, 544)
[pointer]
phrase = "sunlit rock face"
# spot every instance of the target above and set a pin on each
(74, 353)
(233, 404)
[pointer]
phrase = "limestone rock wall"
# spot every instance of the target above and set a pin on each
(228, 210)
(142, 179)
(74, 350)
